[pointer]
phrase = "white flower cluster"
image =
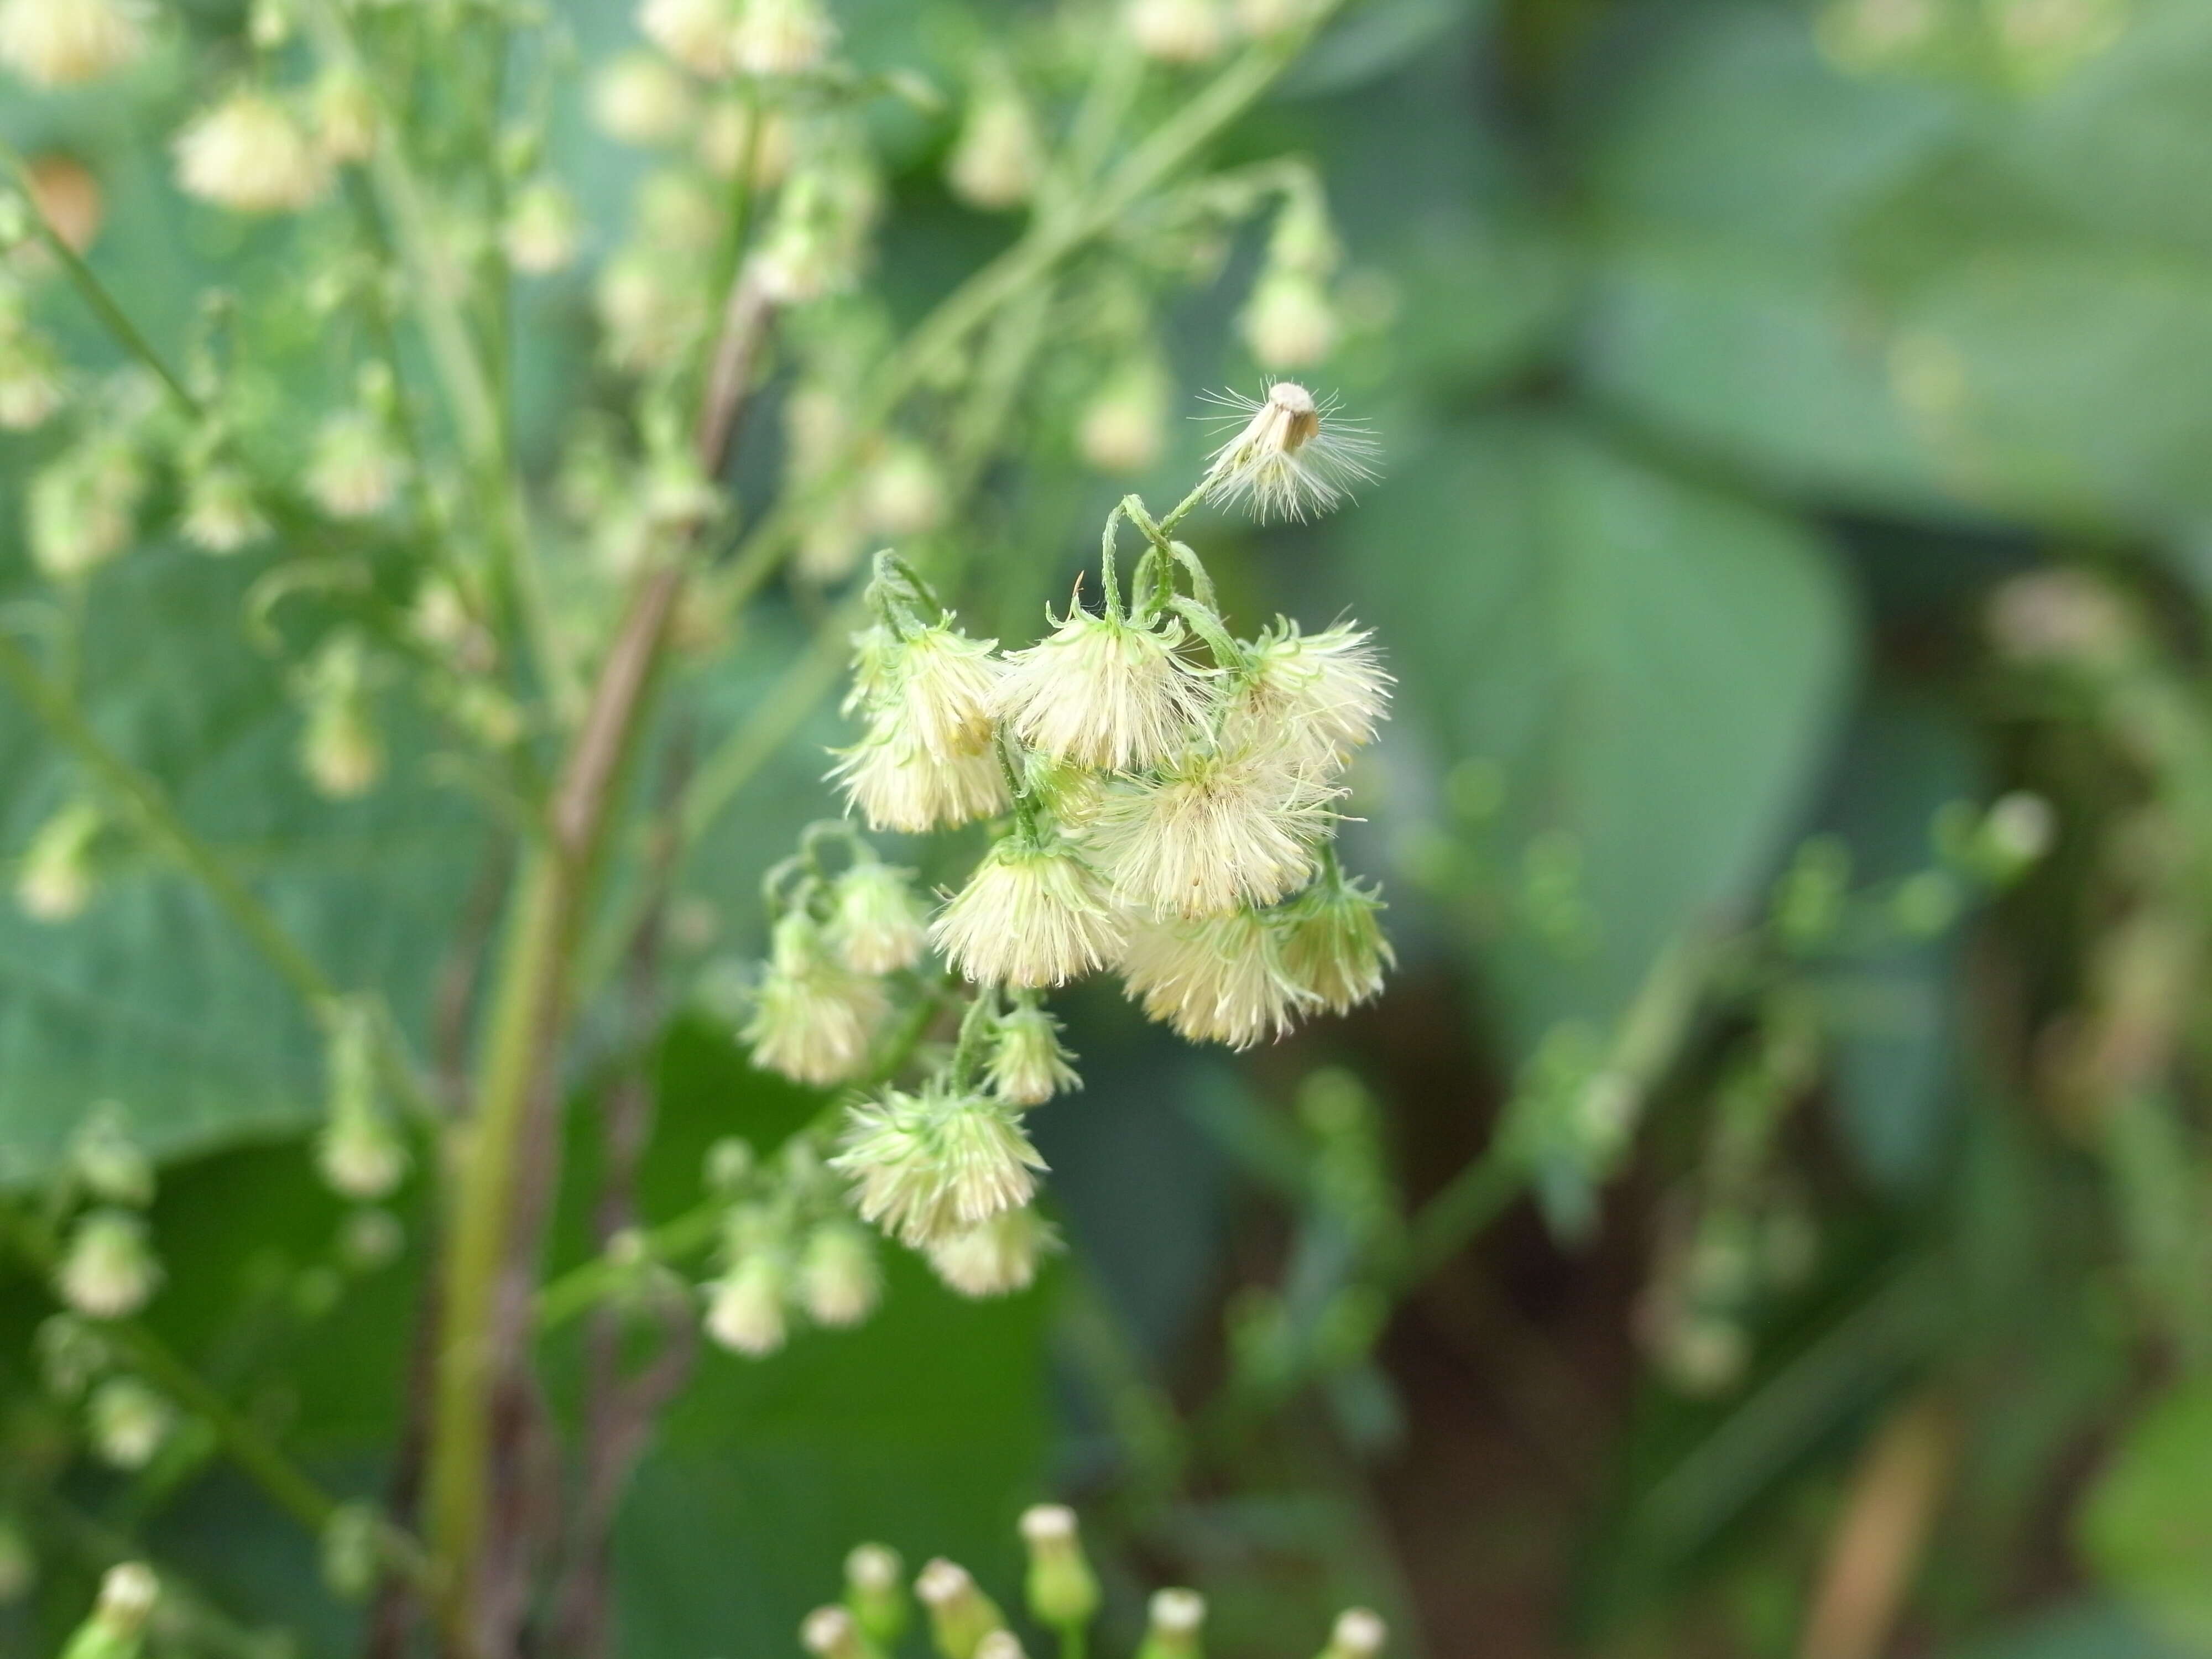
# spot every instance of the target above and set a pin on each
(790, 1250)
(1163, 802)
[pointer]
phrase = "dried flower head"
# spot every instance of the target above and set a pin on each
(1292, 455)
(1103, 692)
(60, 43)
(813, 1018)
(928, 1166)
(1027, 1066)
(1319, 694)
(250, 155)
(877, 924)
(898, 786)
(1032, 914)
(1218, 828)
(998, 1258)
(1222, 980)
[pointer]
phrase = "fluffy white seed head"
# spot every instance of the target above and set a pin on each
(1333, 946)
(250, 155)
(108, 1270)
(60, 43)
(998, 1258)
(640, 98)
(694, 32)
(781, 37)
(1101, 692)
(898, 785)
(1217, 980)
(1028, 1066)
(879, 926)
(1318, 695)
(1186, 32)
(813, 1018)
(1290, 456)
(1215, 829)
(745, 1307)
(930, 1166)
(839, 1281)
(1029, 916)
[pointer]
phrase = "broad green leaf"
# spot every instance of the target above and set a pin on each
(1652, 668)
(152, 997)
(2147, 1526)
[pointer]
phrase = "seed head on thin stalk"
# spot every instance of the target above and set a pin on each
(929, 1166)
(1290, 457)
(543, 227)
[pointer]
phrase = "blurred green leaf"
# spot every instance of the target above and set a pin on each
(1654, 668)
(2087, 1630)
(2147, 1526)
(151, 997)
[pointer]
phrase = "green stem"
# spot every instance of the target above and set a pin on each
(159, 820)
(94, 292)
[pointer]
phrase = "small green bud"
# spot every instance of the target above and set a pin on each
(960, 1614)
(113, 1168)
(127, 1595)
(1063, 1590)
(352, 1551)
(1177, 1617)
(875, 1592)
(832, 1632)
(128, 1423)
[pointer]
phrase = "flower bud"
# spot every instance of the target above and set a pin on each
(736, 132)
(1027, 1066)
(1333, 943)
(249, 155)
(1176, 1616)
(352, 1551)
(1288, 322)
(71, 1354)
(781, 37)
(745, 1307)
(838, 1279)
(694, 32)
(83, 506)
(640, 98)
(1000, 1644)
(345, 116)
(997, 1257)
(902, 495)
(128, 1422)
(220, 514)
(1063, 1591)
(1123, 428)
(815, 244)
(542, 228)
(54, 882)
(879, 926)
(928, 1167)
(66, 44)
(813, 1019)
(340, 748)
(1183, 31)
(832, 1632)
(356, 468)
(998, 157)
(875, 1592)
(1359, 1634)
(127, 1595)
(112, 1166)
(729, 1165)
(107, 1270)
(960, 1614)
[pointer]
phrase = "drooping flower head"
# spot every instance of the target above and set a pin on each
(898, 785)
(1222, 980)
(1102, 691)
(1333, 943)
(60, 43)
(781, 37)
(250, 155)
(998, 1258)
(745, 1307)
(221, 513)
(1034, 914)
(694, 32)
(813, 1018)
(928, 1166)
(878, 924)
(1027, 1066)
(108, 1270)
(943, 683)
(1318, 695)
(839, 1281)
(1218, 828)
(1292, 457)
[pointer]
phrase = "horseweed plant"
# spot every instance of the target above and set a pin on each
(1158, 797)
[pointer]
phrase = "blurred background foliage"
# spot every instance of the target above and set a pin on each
(1798, 436)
